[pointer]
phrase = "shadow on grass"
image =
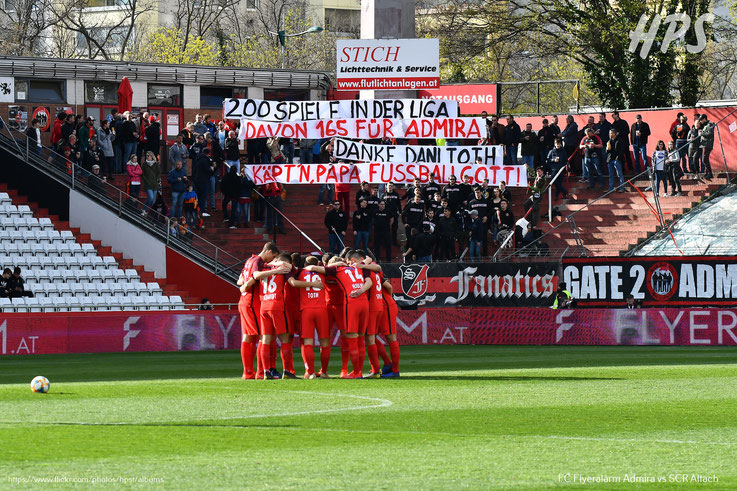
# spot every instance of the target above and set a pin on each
(506, 378)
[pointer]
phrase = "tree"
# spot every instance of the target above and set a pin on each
(199, 18)
(168, 45)
(22, 26)
(108, 35)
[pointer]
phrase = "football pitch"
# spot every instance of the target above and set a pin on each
(473, 417)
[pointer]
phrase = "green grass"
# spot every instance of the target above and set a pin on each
(461, 417)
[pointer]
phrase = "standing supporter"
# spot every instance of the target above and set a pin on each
(615, 156)
(275, 150)
(436, 205)
(118, 147)
(83, 134)
(153, 136)
(249, 306)
(325, 195)
(141, 123)
(105, 139)
(361, 225)
(496, 131)
(94, 180)
(536, 188)
(570, 136)
(466, 190)
(557, 159)
(128, 137)
(412, 216)
(639, 133)
(190, 205)
(245, 190)
(93, 156)
(179, 152)
(431, 188)
(393, 207)
(512, 135)
(343, 194)
(68, 127)
(382, 231)
(177, 180)
(222, 133)
(409, 191)
(694, 148)
(623, 130)
(707, 144)
(218, 157)
(591, 146)
(202, 169)
(372, 201)
(528, 142)
(601, 129)
(475, 236)
(673, 170)
(363, 193)
(232, 151)
(422, 246)
(679, 133)
(336, 221)
(452, 192)
(505, 222)
(505, 192)
(188, 135)
(274, 221)
(305, 150)
(230, 187)
(33, 133)
(545, 140)
(446, 231)
(481, 206)
(659, 158)
(134, 176)
(287, 148)
(199, 126)
(56, 130)
(151, 177)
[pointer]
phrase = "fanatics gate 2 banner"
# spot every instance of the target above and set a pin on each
(97, 332)
(474, 285)
(655, 281)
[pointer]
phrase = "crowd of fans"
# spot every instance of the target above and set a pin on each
(440, 221)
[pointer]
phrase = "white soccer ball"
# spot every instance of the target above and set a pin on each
(40, 384)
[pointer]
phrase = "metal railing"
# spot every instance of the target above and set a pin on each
(125, 206)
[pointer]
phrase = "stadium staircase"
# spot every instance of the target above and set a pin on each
(617, 223)
(67, 270)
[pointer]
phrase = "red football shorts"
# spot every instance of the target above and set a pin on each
(249, 320)
(373, 322)
(388, 323)
(312, 320)
(336, 316)
(293, 318)
(356, 317)
(273, 322)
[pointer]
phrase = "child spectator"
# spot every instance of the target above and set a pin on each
(659, 157)
(134, 176)
(673, 170)
(190, 206)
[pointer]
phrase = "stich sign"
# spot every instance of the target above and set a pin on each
(388, 64)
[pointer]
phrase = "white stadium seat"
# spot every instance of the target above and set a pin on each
(60, 304)
(46, 303)
(7, 224)
(89, 249)
(67, 236)
(94, 276)
(25, 211)
(33, 305)
(131, 274)
(176, 302)
(19, 304)
(5, 304)
(110, 262)
(45, 223)
(90, 289)
(73, 304)
(154, 288)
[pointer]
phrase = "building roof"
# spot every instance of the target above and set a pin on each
(148, 72)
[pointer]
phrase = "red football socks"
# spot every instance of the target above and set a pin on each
(262, 355)
(308, 355)
(382, 352)
(272, 354)
(355, 357)
(361, 351)
(287, 357)
(394, 350)
(344, 353)
(247, 357)
(373, 356)
(324, 358)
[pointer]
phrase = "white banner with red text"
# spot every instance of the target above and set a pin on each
(347, 173)
(280, 111)
(368, 129)
(422, 154)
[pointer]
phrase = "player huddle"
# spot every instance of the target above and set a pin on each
(282, 296)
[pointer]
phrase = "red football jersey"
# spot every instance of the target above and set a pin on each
(291, 294)
(388, 299)
(311, 298)
(253, 264)
(350, 279)
(271, 291)
(333, 292)
(376, 297)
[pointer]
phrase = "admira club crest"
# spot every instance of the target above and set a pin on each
(414, 279)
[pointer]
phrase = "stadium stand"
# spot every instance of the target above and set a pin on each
(66, 275)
